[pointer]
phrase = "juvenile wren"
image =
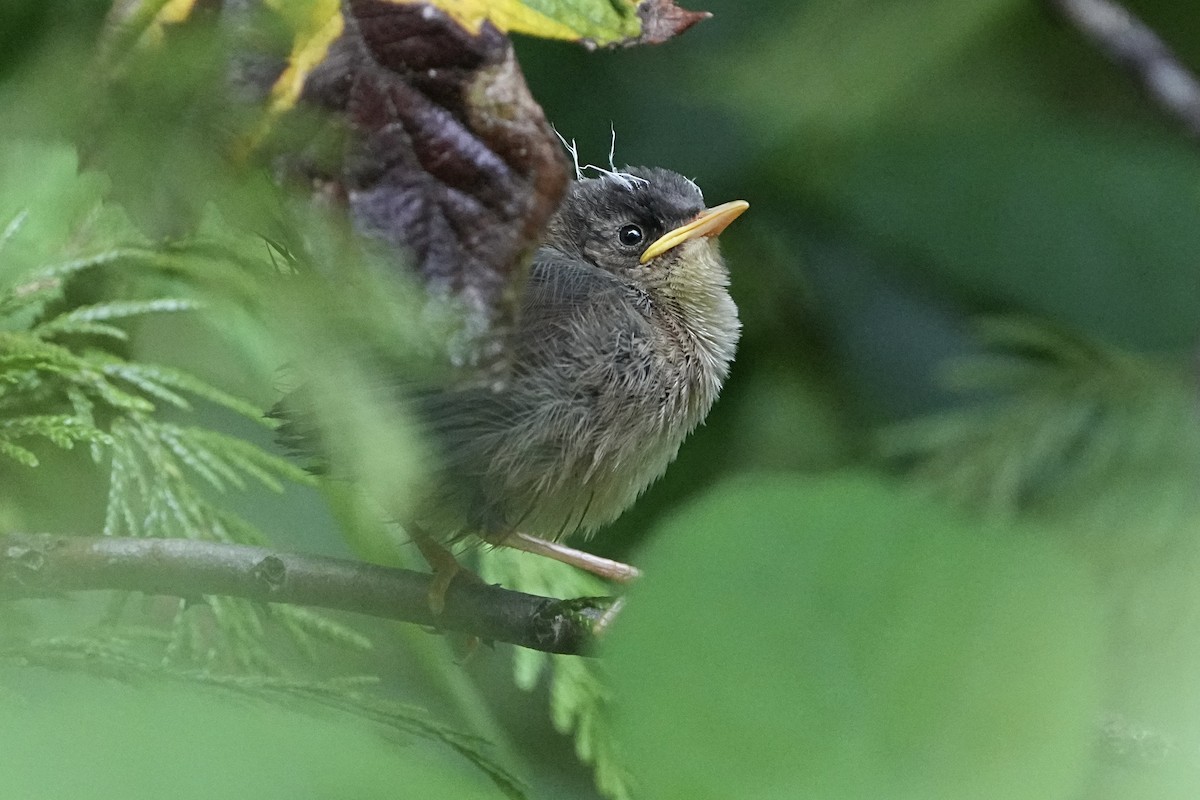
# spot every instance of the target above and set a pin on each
(625, 336)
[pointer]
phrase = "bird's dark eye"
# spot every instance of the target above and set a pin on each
(630, 235)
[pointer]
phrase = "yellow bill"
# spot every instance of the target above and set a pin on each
(709, 222)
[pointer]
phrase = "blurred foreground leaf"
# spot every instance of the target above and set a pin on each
(839, 638)
(184, 742)
(1101, 447)
(48, 211)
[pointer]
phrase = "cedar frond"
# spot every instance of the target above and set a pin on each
(579, 697)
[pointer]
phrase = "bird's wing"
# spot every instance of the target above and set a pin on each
(568, 304)
(571, 313)
(565, 302)
(573, 317)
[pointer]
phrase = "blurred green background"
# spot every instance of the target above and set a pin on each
(819, 620)
(908, 165)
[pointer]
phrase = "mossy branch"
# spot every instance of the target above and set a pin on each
(40, 565)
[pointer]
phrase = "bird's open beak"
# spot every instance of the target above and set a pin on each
(708, 222)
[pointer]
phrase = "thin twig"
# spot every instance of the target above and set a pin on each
(1128, 41)
(39, 565)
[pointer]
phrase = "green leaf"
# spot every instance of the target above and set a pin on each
(61, 429)
(91, 319)
(189, 742)
(43, 203)
(840, 638)
(580, 698)
(602, 22)
(158, 380)
(21, 455)
(1102, 447)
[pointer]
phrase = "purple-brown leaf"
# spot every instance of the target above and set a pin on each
(449, 158)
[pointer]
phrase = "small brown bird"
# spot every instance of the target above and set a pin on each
(625, 336)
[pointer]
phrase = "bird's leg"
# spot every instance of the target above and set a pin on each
(445, 569)
(444, 565)
(597, 565)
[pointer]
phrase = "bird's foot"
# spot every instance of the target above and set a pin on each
(597, 565)
(445, 568)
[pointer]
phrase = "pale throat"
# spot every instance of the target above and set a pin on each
(700, 292)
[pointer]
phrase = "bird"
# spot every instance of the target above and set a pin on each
(625, 335)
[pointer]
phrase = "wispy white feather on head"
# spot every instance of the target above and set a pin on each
(625, 179)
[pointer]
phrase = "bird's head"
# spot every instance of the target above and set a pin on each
(646, 224)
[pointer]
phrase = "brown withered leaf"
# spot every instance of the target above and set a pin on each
(449, 159)
(663, 20)
(444, 155)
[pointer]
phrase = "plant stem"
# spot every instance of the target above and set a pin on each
(37, 565)
(1129, 42)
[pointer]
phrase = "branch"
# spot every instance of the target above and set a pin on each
(40, 565)
(1126, 40)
